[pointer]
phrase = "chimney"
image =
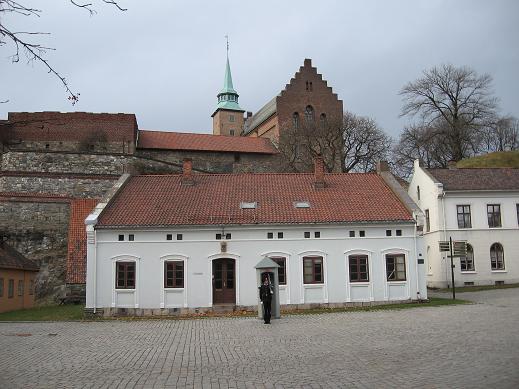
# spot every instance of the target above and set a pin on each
(382, 166)
(319, 172)
(249, 114)
(187, 176)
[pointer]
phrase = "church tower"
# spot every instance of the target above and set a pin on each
(228, 117)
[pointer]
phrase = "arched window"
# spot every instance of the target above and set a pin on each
(309, 113)
(323, 120)
(467, 262)
(295, 120)
(497, 257)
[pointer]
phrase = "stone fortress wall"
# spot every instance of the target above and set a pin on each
(49, 159)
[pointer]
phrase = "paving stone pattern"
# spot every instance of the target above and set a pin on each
(472, 346)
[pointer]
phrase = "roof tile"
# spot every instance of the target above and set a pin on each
(203, 142)
(477, 178)
(162, 200)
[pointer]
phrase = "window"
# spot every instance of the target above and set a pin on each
(125, 275)
(280, 235)
(352, 234)
(362, 233)
(270, 235)
(228, 236)
(282, 270)
(309, 113)
(237, 157)
(395, 267)
(317, 234)
(497, 257)
(1, 287)
(464, 220)
(131, 237)
(313, 270)
(295, 120)
(398, 232)
(494, 215)
(323, 120)
(218, 236)
(418, 192)
(427, 221)
(173, 274)
(10, 290)
(307, 234)
(467, 262)
(31, 287)
(358, 268)
(20, 287)
(388, 232)
(121, 238)
(517, 206)
(309, 86)
(231, 118)
(169, 236)
(231, 132)
(180, 237)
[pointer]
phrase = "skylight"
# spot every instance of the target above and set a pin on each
(244, 205)
(302, 204)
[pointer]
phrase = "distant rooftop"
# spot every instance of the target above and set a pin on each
(477, 178)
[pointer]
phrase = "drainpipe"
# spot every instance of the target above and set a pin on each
(416, 263)
(444, 232)
(95, 270)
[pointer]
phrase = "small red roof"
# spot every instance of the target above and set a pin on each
(204, 142)
(77, 240)
(163, 200)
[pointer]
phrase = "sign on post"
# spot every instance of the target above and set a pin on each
(444, 246)
(460, 248)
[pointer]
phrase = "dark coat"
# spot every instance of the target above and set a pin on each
(265, 293)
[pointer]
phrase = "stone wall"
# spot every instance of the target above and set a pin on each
(67, 185)
(65, 162)
(38, 229)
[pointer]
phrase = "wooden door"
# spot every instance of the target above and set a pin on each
(224, 281)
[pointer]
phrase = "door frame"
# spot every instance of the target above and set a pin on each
(236, 258)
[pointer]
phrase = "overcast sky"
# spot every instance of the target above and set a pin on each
(164, 60)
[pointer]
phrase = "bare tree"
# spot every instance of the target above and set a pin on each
(502, 135)
(456, 102)
(354, 144)
(25, 42)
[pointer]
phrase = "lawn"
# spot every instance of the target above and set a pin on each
(477, 288)
(75, 312)
(497, 159)
(46, 313)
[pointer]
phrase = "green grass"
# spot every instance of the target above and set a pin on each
(46, 313)
(433, 302)
(497, 159)
(477, 288)
(75, 312)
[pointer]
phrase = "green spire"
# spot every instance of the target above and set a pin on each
(228, 97)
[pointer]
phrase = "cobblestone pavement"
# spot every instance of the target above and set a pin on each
(473, 345)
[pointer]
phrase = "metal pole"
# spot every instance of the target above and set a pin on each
(452, 270)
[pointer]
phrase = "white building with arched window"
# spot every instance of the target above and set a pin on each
(165, 243)
(476, 205)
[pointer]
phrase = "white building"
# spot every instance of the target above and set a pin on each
(477, 205)
(170, 242)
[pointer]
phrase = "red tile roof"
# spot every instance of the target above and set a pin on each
(77, 240)
(477, 178)
(215, 199)
(71, 126)
(204, 142)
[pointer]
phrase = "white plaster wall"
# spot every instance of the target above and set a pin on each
(248, 246)
(480, 236)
